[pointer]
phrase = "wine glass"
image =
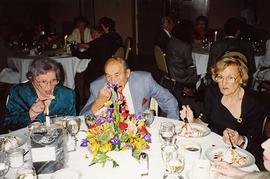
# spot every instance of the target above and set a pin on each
(148, 116)
(26, 171)
(174, 164)
(73, 126)
(166, 132)
(4, 164)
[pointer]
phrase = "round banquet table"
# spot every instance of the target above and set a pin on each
(128, 166)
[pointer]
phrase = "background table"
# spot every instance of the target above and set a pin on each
(71, 66)
(200, 60)
(129, 167)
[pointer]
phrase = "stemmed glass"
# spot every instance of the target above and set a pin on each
(173, 160)
(4, 164)
(73, 126)
(167, 132)
(26, 171)
(148, 116)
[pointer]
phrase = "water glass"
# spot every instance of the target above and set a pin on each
(148, 116)
(166, 132)
(73, 126)
(4, 164)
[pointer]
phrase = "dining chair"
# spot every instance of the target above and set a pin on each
(162, 66)
(127, 47)
(119, 52)
(154, 106)
(262, 79)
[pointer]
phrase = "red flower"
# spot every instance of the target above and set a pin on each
(124, 114)
(92, 126)
(143, 130)
(123, 126)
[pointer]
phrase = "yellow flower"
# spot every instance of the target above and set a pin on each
(139, 143)
(108, 103)
(105, 147)
(94, 146)
(141, 123)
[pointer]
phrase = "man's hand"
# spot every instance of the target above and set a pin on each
(103, 96)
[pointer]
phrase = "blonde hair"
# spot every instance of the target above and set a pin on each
(226, 61)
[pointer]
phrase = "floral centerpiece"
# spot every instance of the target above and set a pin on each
(114, 129)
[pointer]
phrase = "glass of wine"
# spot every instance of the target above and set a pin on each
(148, 116)
(4, 164)
(167, 132)
(73, 126)
(26, 171)
(174, 165)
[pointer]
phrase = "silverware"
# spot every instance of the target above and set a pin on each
(233, 147)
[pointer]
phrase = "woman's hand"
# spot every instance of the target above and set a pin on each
(186, 112)
(225, 169)
(37, 108)
(234, 135)
(84, 45)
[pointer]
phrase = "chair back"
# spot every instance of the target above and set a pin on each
(119, 52)
(154, 106)
(127, 47)
(160, 59)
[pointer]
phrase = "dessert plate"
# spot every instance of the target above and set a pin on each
(192, 130)
(241, 158)
(12, 141)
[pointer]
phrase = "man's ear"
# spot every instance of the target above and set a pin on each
(128, 72)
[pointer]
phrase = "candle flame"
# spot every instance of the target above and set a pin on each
(66, 36)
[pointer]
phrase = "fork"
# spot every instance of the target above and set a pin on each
(233, 147)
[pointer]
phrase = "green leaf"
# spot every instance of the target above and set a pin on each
(115, 164)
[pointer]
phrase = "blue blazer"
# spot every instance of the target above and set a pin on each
(22, 97)
(142, 88)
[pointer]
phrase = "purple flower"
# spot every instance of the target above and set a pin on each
(110, 118)
(111, 86)
(147, 137)
(110, 110)
(138, 116)
(84, 143)
(100, 120)
(115, 140)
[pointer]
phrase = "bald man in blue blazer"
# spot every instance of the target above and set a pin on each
(138, 87)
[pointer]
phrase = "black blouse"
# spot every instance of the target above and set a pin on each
(253, 113)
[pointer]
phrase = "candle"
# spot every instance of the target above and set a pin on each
(65, 40)
(47, 117)
(216, 35)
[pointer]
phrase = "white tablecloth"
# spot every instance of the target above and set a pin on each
(71, 66)
(129, 167)
(201, 60)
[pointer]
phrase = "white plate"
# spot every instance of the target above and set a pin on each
(21, 139)
(205, 129)
(66, 173)
(211, 152)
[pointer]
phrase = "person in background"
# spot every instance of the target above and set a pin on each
(179, 57)
(81, 34)
(231, 110)
(200, 30)
(164, 34)
(41, 95)
(228, 170)
(137, 87)
(96, 32)
(231, 43)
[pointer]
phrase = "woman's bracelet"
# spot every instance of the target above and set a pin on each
(243, 142)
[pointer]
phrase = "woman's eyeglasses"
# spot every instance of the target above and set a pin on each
(229, 79)
(44, 83)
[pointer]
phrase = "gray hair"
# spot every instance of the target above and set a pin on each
(119, 60)
(42, 66)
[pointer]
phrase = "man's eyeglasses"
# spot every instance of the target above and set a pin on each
(44, 83)
(229, 79)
